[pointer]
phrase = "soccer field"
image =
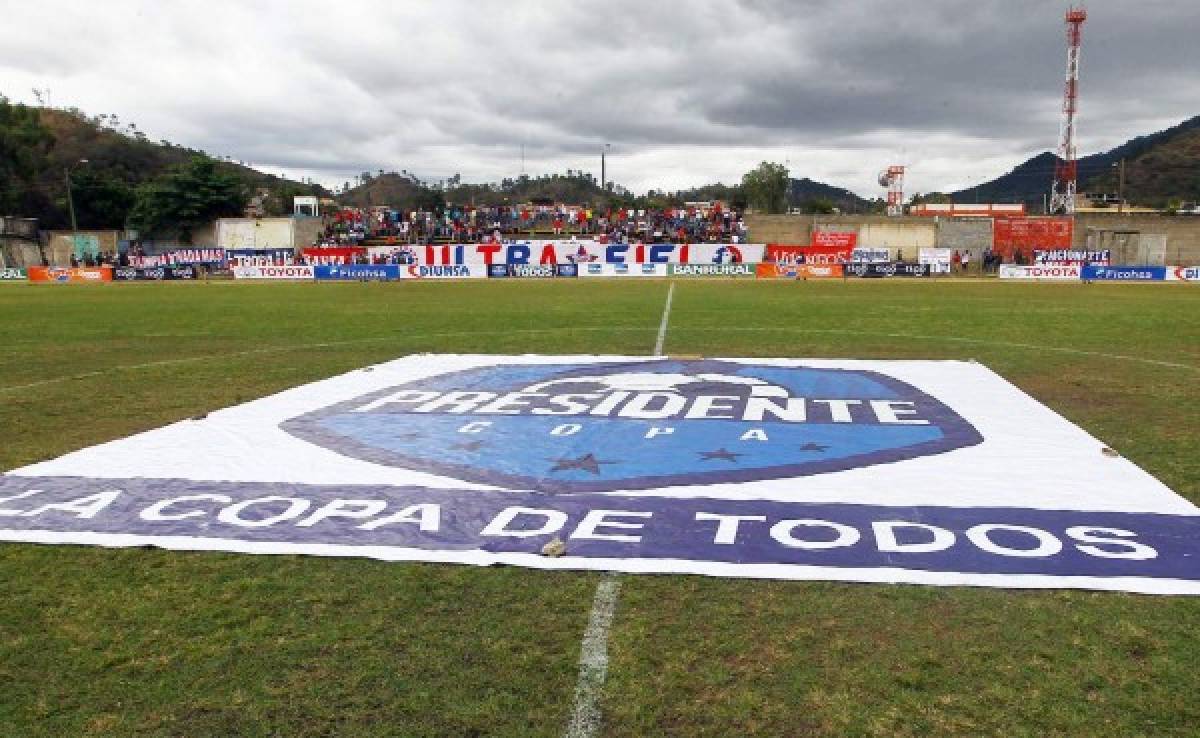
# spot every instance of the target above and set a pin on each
(148, 642)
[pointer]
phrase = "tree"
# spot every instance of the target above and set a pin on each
(766, 187)
(24, 143)
(186, 198)
(101, 200)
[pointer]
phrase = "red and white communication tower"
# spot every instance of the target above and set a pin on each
(892, 179)
(1062, 192)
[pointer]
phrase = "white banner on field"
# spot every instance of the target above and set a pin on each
(938, 259)
(622, 270)
(273, 272)
(1183, 274)
(1040, 271)
(932, 472)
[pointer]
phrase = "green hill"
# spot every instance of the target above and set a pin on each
(119, 159)
(1159, 168)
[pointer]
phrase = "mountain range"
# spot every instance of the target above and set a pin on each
(1160, 168)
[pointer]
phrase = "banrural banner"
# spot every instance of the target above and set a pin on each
(10, 274)
(929, 472)
(712, 270)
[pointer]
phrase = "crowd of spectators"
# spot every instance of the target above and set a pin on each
(708, 222)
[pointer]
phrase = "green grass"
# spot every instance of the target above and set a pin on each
(143, 642)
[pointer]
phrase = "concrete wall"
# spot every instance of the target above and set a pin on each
(905, 234)
(1123, 234)
(308, 231)
(61, 244)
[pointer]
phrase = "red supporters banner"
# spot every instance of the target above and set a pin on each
(1025, 235)
(794, 254)
(835, 239)
(338, 255)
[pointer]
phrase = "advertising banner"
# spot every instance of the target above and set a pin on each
(64, 275)
(1183, 274)
(770, 270)
(1124, 273)
(898, 269)
(781, 253)
(622, 270)
(452, 271)
(1011, 236)
(847, 240)
(153, 274)
(1054, 272)
(820, 271)
(9, 274)
(533, 271)
(273, 272)
(929, 472)
(871, 255)
(178, 257)
(938, 259)
(713, 270)
(356, 272)
(1076, 258)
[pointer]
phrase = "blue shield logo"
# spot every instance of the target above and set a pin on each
(564, 428)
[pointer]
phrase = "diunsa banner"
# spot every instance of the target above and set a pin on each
(928, 472)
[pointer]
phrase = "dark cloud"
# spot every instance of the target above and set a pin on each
(686, 92)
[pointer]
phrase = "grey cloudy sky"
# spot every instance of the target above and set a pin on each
(687, 92)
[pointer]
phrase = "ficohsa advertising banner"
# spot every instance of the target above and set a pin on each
(273, 272)
(929, 472)
(1124, 273)
(357, 272)
(1048, 272)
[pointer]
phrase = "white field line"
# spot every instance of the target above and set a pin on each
(593, 661)
(608, 329)
(662, 326)
(593, 652)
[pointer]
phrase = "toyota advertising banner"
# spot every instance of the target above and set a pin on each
(928, 472)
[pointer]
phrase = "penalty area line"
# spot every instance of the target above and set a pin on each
(593, 652)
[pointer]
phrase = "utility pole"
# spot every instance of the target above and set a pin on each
(603, 171)
(1121, 186)
(1062, 191)
(71, 198)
